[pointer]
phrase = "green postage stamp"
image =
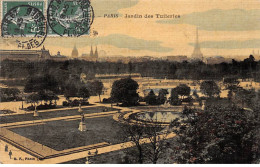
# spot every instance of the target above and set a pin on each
(43, 18)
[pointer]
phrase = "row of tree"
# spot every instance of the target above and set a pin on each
(45, 87)
(249, 68)
(9, 94)
(125, 91)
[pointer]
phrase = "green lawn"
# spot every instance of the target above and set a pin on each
(61, 135)
(50, 114)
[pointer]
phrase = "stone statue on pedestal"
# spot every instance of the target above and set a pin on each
(82, 124)
(35, 113)
(80, 109)
(87, 161)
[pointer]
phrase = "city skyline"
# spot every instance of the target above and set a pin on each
(224, 30)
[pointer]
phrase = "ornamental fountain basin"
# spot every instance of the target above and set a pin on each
(155, 116)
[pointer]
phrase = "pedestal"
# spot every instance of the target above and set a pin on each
(87, 161)
(166, 105)
(80, 109)
(82, 126)
(35, 113)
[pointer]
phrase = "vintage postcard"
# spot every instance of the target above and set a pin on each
(130, 82)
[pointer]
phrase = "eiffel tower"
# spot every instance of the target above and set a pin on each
(197, 55)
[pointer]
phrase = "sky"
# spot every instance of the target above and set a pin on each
(226, 27)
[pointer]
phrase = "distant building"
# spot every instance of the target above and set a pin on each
(75, 53)
(84, 55)
(91, 56)
(177, 58)
(96, 53)
(111, 59)
(215, 60)
(125, 60)
(197, 54)
(91, 52)
(59, 57)
(30, 55)
(26, 55)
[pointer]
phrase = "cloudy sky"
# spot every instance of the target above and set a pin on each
(226, 27)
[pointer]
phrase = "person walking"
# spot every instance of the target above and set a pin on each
(6, 148)
(10, 154)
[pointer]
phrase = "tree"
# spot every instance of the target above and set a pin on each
(134, 133)
(174, 99)
(183, 90)
(41, 82)
(83, 92)
(162, 96)
(33, 98)
(97, 88)
(148, 139)
(52, 96)
(71, 90)
(124, 90)
(45, 86)
(151, 98)
(130, 67)
(216, 135)
(210, 88)
(9, 94)
(157, 143)
(14, 92)
(47, 95)
(230, 82)
(244, 96)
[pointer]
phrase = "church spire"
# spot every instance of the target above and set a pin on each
(91, 52)
(96, 53)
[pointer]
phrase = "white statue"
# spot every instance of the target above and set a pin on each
(80, 109)
(35, 113)
(82, 124)
(87, 160)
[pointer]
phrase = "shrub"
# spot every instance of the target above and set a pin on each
(107, 100)
(41, 107)
(74, 103)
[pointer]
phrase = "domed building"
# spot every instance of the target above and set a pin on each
(75, 53)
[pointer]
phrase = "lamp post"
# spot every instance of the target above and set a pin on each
(87, 158)
(22, 100)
